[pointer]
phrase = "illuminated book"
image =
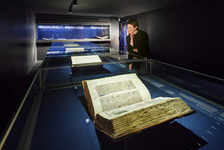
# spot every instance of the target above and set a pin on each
(75, 49)
(85, 59)
(71, 45)
(120, 105)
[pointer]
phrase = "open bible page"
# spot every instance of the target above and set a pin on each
(116, 91)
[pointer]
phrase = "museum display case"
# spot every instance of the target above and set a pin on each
(73, 32)
(58, 69)
(54, 113)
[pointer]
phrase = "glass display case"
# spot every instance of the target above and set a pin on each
(69, 48)
(57, 69)
(54, 113)
(78, 32)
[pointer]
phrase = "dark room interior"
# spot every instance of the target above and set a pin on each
(183, 35)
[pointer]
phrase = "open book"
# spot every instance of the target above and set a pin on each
(85, 59)
(74, 49)
(71, 45)
(120, 105)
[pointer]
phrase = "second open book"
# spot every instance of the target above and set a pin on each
(120, 105)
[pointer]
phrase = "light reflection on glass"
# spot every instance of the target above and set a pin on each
(56, 32)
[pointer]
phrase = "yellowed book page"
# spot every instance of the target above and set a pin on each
(117, 91)
(85, 59)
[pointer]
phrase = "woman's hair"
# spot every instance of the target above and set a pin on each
(133, 22)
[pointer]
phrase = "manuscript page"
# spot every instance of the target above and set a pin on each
(85, 59)
(116, 91)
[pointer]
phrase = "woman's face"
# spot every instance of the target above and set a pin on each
(131, 29)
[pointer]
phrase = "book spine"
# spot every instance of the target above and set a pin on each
(105, 124)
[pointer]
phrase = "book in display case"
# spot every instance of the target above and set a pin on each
(120, 105)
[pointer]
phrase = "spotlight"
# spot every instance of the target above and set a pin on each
(75, 2)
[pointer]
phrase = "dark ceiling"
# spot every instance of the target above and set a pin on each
(103, 8)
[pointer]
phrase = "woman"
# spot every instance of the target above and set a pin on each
(137, 40)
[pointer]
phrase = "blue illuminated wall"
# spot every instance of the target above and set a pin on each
(123, 35)
(58, 32)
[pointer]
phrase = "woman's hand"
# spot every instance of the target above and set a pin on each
(135, 50)
(130, 66)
